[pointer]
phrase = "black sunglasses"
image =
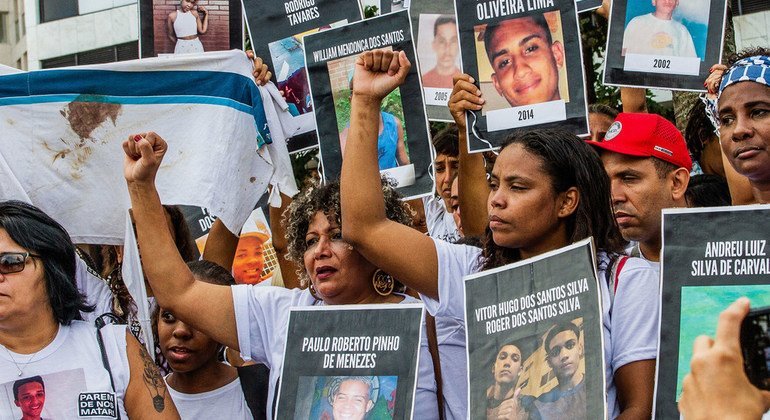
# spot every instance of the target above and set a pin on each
(14, 262)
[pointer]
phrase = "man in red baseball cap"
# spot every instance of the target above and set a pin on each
(649, 167)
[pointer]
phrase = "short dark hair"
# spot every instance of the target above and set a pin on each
(605, 110)
(446, 141)
(37, 232)
(443, 20)
(209, 272)
(558, 328)
(21, 382)
(663, 168)
(489, 32)
(336, 383)
(706, 190)
(698, 131)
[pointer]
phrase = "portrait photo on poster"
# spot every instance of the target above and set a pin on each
(438, 54)
(281, 48)
(403, 142)
(536, 350)
(528, 66)
(703, 272)
(667, 44)
(359, 361)
(189, 26)
(346, 397)
(52, 395)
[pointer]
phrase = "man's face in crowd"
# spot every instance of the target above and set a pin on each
(599, 124)
(638, 195)
(446, 47)
(30, 399)
(744, 114)
(564, 354)
(665, 8)
(351, 401)
(526, 68)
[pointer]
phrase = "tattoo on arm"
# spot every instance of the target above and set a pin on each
(153, 381)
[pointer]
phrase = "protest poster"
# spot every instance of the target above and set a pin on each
(255, 260)
(668, 45)
(532, 327)
(280, 47)
(438, 52)
(176, 27)
(525, 56)
(369, 352)
(404, 140)
(703, 272)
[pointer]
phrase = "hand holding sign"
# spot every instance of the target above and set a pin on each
(378, 72)
(717, 386)
(260, 70)
(465, 97)
(144, 153)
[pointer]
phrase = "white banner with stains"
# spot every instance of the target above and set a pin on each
(62, 131)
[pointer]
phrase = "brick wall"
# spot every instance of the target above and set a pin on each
(216, 38)
(338, 73)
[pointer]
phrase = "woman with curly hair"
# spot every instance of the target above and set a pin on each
(547, 190)
(254, 319)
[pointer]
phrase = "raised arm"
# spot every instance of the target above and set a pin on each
(280, 244)
(401, 251)
(472, 187)
(146, 394)
(203, 21)
(205, 307)
(221, 245)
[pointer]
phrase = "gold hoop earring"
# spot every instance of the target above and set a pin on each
(383, 283)
(313, 292)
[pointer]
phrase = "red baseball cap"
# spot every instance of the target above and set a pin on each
(646, 135)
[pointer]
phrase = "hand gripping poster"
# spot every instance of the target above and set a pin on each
(534, 338)
(704, 271)
(276, 28)
(665, 44)
(404, 151)
(438, 52)
(525, 57)
(352, 361)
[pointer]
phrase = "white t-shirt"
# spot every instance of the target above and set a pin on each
(630, 332)
(441, 224)
(72, 372)
(226, 402)
(649, 35)
(262, 319)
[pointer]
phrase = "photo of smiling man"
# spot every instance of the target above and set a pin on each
(29, 396)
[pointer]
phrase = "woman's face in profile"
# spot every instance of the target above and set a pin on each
(507, 365)
(21, 292)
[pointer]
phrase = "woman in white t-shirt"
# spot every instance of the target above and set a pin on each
(547, 190)
(201, 386)
(59, 366)
(254, 319)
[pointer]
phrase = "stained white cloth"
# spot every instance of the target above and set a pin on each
(206, 106)
(630, 324)
(262, 319)
(649, 35)
(226, 402)
(441, 224)
(185, 24)
(69, 366)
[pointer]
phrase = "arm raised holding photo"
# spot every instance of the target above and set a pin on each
(205, 307)
(403, 252)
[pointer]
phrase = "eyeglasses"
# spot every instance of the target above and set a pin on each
(14, 262)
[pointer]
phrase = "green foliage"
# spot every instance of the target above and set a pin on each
(371, 11)
(391, 104)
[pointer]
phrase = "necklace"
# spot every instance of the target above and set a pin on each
(24, 366)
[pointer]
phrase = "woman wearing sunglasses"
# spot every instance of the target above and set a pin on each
(87, 372)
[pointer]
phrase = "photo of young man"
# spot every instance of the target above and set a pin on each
(29, 396)
(658, 33)
(444, 50)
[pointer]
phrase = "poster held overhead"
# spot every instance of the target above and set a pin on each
(586, 5)
(404, 152)
(526, 59)
(665, 44)
(276, 28)
(438, 52)
(534, 337)
(703, 272)
(369, 351)
(181, 27)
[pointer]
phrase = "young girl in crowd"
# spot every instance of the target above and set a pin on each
(547, 190)
(201, 386)
(254, 319)
(185, 24)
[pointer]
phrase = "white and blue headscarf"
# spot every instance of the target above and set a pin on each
(751, 69)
